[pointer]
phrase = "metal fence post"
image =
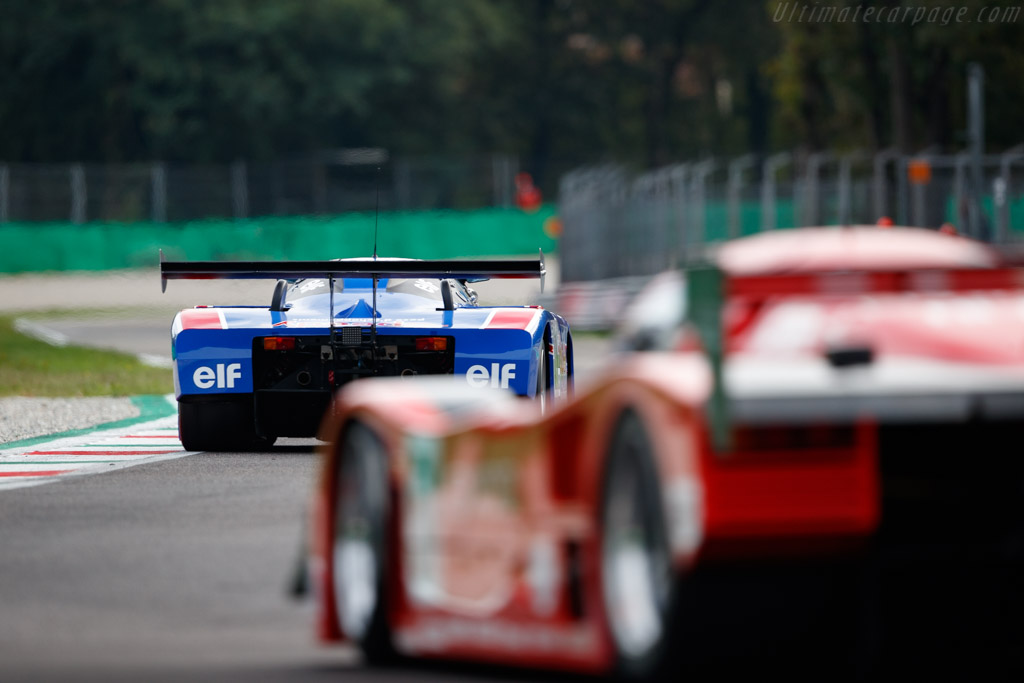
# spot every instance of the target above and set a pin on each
(918, 200)
(319, 172)
(734, 192)
(917, 196)
(678, 179)
(403, 199)
(976, 147)
(5, 193)
(771, 165)
(78, 193)
(701, 171)
(881, 185)
(663, 194)
(239, 190)
(612, 220)
(502, 180)
(902, 191)
(811, 209)
(960, 189)
(158, 185)
(639, 193)
(1010, 156)
(844, 209)
(694, 208)
(277, 191)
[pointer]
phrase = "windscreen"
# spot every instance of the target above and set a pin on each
(424, 287)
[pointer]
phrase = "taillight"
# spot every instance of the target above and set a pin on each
(278, 343)
(431, 343)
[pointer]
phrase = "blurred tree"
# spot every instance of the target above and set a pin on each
(643, 82)
(557, 82)
(175, 79)
(548, 79)
(896, 83)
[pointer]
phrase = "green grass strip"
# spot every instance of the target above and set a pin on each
(30, 367)
(151, 407)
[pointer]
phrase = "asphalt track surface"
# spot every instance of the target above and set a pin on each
(172, 570)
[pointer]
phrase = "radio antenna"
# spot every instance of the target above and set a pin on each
(373, 320)
(376, 215)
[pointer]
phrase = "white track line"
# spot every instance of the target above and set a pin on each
(52, 337)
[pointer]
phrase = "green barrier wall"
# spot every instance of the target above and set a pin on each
(435, 234)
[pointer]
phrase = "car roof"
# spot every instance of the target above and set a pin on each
(858, 247)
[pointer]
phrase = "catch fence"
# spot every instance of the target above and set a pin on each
(616, 223)
(329, 183)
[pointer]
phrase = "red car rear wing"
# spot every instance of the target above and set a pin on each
(874, 282)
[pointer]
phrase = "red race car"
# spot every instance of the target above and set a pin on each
(822, 472)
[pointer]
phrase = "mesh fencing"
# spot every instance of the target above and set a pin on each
(617, 223)
(330, 183)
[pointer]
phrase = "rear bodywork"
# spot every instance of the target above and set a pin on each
(286, 359)
(496, 509)
(827, 440)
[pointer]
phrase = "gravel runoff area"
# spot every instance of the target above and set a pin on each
(23, 417)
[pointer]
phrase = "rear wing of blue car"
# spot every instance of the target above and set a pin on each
(464, 269)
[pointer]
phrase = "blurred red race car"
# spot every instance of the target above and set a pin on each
(825, 463)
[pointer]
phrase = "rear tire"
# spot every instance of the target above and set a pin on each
(637, 578)
(360, 545)
(570, 362)
(223, 425)
(542, 394)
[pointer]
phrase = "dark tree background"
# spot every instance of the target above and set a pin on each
(553, 81)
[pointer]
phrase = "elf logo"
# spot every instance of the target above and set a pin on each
(224, 378)
(498, 376)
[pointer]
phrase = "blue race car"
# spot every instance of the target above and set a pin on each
(245, 375)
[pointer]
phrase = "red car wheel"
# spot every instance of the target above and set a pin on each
(359, 546)
(636, 570)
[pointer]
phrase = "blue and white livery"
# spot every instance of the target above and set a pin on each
(245, 375)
